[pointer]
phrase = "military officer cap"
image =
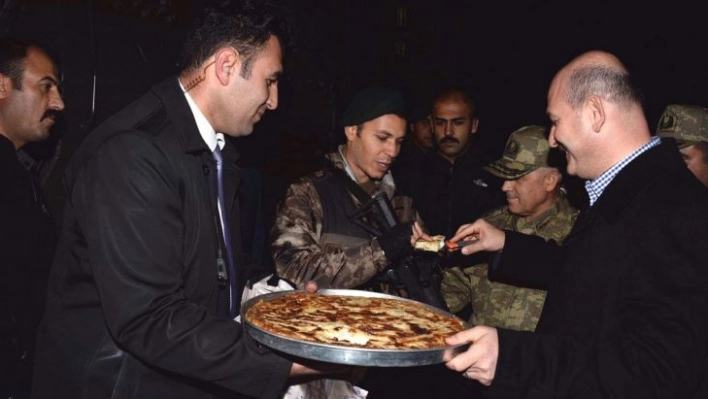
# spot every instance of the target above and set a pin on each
(371, 103)
(687, 124)
(526, 150)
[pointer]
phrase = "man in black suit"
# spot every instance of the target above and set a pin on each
(30, 102)
(148, 274)
(625, 312)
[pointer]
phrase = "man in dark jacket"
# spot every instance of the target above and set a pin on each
(415, 148)
(453, 187)
(688, 125)
(147, 279)
(29, 103)
(625, 315)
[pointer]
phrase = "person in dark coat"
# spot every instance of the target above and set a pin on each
(30, 102)
(625, 315)
(144, 288)
(415, 148)
(453, 187)
(688, 125)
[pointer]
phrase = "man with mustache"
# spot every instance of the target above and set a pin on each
(29, 104)
(536, 205)
(454, 188)
(625, 312)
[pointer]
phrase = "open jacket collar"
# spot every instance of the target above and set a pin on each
(178, 110)
(630, 183)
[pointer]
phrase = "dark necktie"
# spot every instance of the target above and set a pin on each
(227, 233)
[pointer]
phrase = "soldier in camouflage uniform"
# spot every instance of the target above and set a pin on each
(536, 205)
(313, 237)
(688, 125)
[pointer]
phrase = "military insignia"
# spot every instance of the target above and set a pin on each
(512, 148)
(667, 122)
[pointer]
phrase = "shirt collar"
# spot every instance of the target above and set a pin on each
(209, 135)
(596, 187)
(386, 182)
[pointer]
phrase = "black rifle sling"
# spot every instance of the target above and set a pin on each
(374, 214)
(413, 273)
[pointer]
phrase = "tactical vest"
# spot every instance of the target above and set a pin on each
(337, 205)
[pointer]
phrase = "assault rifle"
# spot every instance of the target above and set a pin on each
(416, 274)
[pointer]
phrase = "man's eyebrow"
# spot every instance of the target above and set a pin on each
(51, 79)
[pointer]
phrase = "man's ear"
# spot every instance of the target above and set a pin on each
(227, 62)
(5, 86)
(350, 132)
(474, 126)
(596, 108)
(551, 180)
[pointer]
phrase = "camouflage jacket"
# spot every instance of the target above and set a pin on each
(302, 252)
(497, 304)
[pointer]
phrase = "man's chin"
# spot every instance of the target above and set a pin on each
(243, 131)
(450, 152)
(377, 175)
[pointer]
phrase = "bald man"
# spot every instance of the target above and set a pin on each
(625, 311)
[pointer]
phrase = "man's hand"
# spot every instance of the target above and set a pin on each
(485, 237)
(399, 241)
(310, 368)
(419, 234)
(479, 362)
(311, 287)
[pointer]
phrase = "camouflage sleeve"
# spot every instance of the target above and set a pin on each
(456, 288)
(301, 256)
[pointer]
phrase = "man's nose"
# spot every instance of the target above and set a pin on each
(56, 102)
(552, 138)
(507, 186)
(448, 129)
(391, 148)
(272, 102)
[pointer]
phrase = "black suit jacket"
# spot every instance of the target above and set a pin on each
(27, 240)
(627, 305)
(135, 309)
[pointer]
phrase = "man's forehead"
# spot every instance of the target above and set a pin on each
(554, 97)
(389, 124)
(451, 110)
(40, 64)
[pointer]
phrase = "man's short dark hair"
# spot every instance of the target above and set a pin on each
(12, 55)
(457, 93)
(245, 25)
(610, 84)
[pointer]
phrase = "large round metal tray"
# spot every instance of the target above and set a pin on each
(347, 355)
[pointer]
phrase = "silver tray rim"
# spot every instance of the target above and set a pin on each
(349, 355)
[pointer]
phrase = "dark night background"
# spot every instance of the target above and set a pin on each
(504, 52)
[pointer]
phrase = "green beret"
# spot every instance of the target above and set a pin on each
(371, 103)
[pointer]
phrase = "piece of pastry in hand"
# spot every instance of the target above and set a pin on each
(432, 246)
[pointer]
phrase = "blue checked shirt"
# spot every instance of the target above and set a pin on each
(597, 186)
